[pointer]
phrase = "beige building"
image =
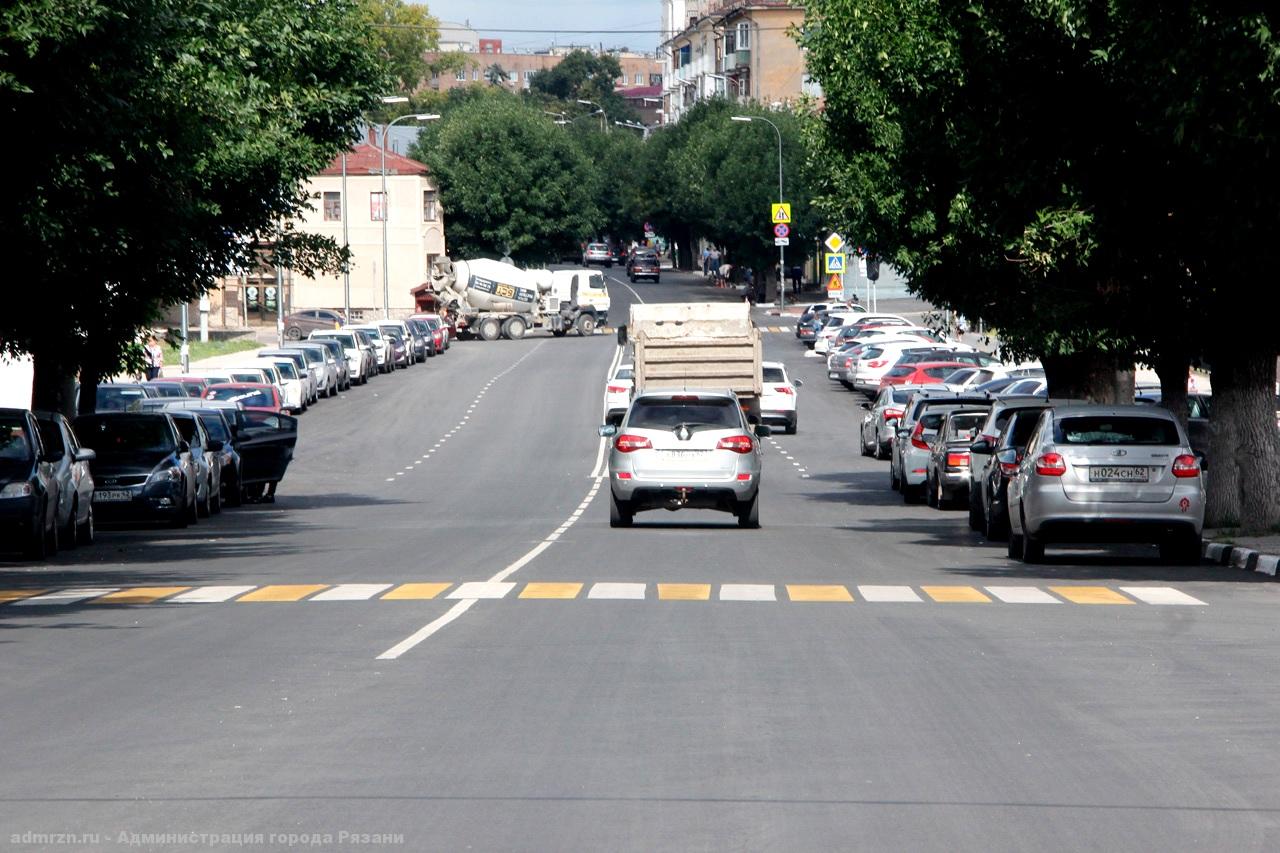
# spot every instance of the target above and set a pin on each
(741, 50)
(638, 69)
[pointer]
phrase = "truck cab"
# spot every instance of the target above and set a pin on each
(582, 288)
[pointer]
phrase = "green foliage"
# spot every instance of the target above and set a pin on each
(585, 76)
(401, 36)
(510, 179)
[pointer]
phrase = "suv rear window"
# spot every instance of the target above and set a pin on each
(1107, 429)
(669, 413)
(965, 427)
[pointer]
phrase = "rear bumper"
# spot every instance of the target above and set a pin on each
(723, 498)
(779, 416)
(1112, 529)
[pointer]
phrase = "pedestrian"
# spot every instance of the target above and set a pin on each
(713, 261)
(797, 276)
(154, 354)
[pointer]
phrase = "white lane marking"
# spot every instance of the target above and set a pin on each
(1022, 595)
(747, 592)
(553, 536)
(481, 589)
(427, 630)
(628, 591)
(391, 479)
(521, 563)
(351, 592)
(1160, 595)
(888, 593)
(66, 596)
(627, 286)
(210, 594)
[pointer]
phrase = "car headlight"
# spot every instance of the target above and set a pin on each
(16, 490)
(165, 475)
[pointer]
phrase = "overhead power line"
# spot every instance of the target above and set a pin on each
(665, 33)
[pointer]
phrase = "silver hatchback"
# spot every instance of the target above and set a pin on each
(684, 449)
(1107, 474)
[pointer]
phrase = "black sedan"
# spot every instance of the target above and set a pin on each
(28, 486)
(644, 265)
(143, 470)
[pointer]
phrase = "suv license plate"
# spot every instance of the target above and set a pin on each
(681, 454)
(102, 495)
(1118, 474)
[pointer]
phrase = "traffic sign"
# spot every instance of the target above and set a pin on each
(834, 263)
(835, 287)
(782, 229)
(835, 242)
(781, 212)
(862, 267)
(782, 241)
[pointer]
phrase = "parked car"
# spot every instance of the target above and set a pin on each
(921, 417)
(814, 310)
(251, 396)
(1198, 408)
(677, 450)
(307, 372)
(617, 393)
(75, 480)
(984, 446)
(265, 442)
(1029, 386)
(323, 374)
(964, 378)
(28, 486)
(597, 253)
(292, 386)
(778, 402)
(881, 420)
(338, 358)
(644, 265)
(208, 467)
(949, 477)
(143, 470)
(1107, 474)
(439, 325)
(991, 482)
(164, 389)
(192, 386)
(415, 339)
(382, 345)
(876, 359)
(423, 330)
(920, 373)
(120, 396)
(360, 357)
(299, 324)
(219, 419)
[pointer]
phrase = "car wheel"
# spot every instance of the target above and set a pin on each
(85, 531)
(993, 527)
(1181, 550)
(862, 445)
(794, 426)
(749, 513)
(894, 483)
(181, 519)
(38, 545)
(620, 512)
(975, 510)
(911, 494)
(933, 493)
(202, 506)
(882, 451)
(293, 333)
(68, 535)
(1032, 549)
(1014, 546)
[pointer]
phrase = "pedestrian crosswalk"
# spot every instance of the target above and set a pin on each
(799, 593)
(778, 330)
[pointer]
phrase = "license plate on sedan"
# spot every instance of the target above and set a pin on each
(1119, 474)
(105, 495)
(680, 454)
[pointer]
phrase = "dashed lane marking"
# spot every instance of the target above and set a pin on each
(211, 594)
(684, 591)
(621, 591)
(889, 594)
(747, 592)
(66, 596)
(1160, 595)
(482, 589)
(1022, 595)
(351, 592)
(416, 591)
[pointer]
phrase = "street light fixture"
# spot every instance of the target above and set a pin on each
(782, 268)
(599, 111)
(386, 206)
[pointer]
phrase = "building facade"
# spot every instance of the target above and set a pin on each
(638, 69)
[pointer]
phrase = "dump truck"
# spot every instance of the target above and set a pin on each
(697, 345)
(492, 299)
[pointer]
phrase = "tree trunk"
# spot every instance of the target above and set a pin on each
(1244, 443)
(1173, 368)
(1098, 377)
(53, 385)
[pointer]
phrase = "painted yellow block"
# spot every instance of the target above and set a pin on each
(416, 591)
(283, 592)
(18, 594)
(551, 590)
(1090, 595)
(684, 591)
(953, 594)
(818, 592)
(140, 595)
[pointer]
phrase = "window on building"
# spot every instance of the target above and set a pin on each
(528, 75)
(332, 207)
(655, 79)
(639, 79)
(429, 210)
(377, 206)
(744, 35)
(475, 74)
(461, 75)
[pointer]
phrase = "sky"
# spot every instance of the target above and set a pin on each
(547, 15)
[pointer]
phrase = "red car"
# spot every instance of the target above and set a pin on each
(252, 396)
(921, 373)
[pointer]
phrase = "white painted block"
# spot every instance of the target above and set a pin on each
(630, 591)
(66, 596)
(1267, 564)
(482, 589)
(1159, 595)
(1240, 557)
(747, 592)
(888, 593)
(351, 592)
(1022, 595)
(210, 594)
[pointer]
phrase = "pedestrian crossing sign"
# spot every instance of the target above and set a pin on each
(834, 263)
(781, 213)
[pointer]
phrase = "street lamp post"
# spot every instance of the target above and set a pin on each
(604, 128)
(782, 250)
(386, 207)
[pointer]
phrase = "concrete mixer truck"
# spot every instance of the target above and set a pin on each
(492, 299)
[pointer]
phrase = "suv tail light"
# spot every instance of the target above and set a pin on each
(783, 389)
(917, 437)
(626, 443)
(736, 443)
(1051, 465)
(616, 389)
(1186, 465)
(957, 459)
(878, 363)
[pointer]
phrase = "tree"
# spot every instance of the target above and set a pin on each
(171, 147)
(511, 181)
(402, 34)
(585, 76)
(496, 75)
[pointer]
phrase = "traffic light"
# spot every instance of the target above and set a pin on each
(873, 268)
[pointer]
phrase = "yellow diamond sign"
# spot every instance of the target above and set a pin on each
(835, 242)
(781, 213)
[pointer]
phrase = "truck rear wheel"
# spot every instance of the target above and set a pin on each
(489, 329)
(586, 325)
(514, 328)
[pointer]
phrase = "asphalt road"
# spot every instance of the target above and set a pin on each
(603, 689)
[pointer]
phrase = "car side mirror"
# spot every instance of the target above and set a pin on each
(216, 444)
(982, 446)
(763, 430)
(799, 383)
(866, 406)
(84, 454)
(608, 430)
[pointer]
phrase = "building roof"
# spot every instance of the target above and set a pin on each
(365, 159)
(641, 92)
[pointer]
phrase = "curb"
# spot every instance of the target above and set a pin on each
(1245, 559)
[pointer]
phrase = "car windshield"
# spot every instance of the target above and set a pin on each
(15, 444)
(1115, 429)
(695, 412)
(899, 395)
(312, 356)
(965, 427)
(393, 332)
(287, 369)
(958, 376)
(118, 398)
(625, 373)
(243, 396)
(348, 341)
(774, 374)
(132, 434)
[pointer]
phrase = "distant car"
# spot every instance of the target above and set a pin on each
(645, 265)
(441, 327)
(618, 253)
(143, 470)
(192, 386)
(778, 402)
(597, 253)
(921, 373)
(338, 358)
(361, 361)
(121, 396)
(254, 397)
(964, 378)
(165, 389)
(984, 447)
(306, 371)
(218, 419)
(949, 479)
(909, 460)
(299, 324)
(677, 450)
(292, 385)
(1028, 386)
(430, 342)
(1107, 474)
(75, 480)
(28, 487)
(382, 345)
(617, 393)
(324, 375)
